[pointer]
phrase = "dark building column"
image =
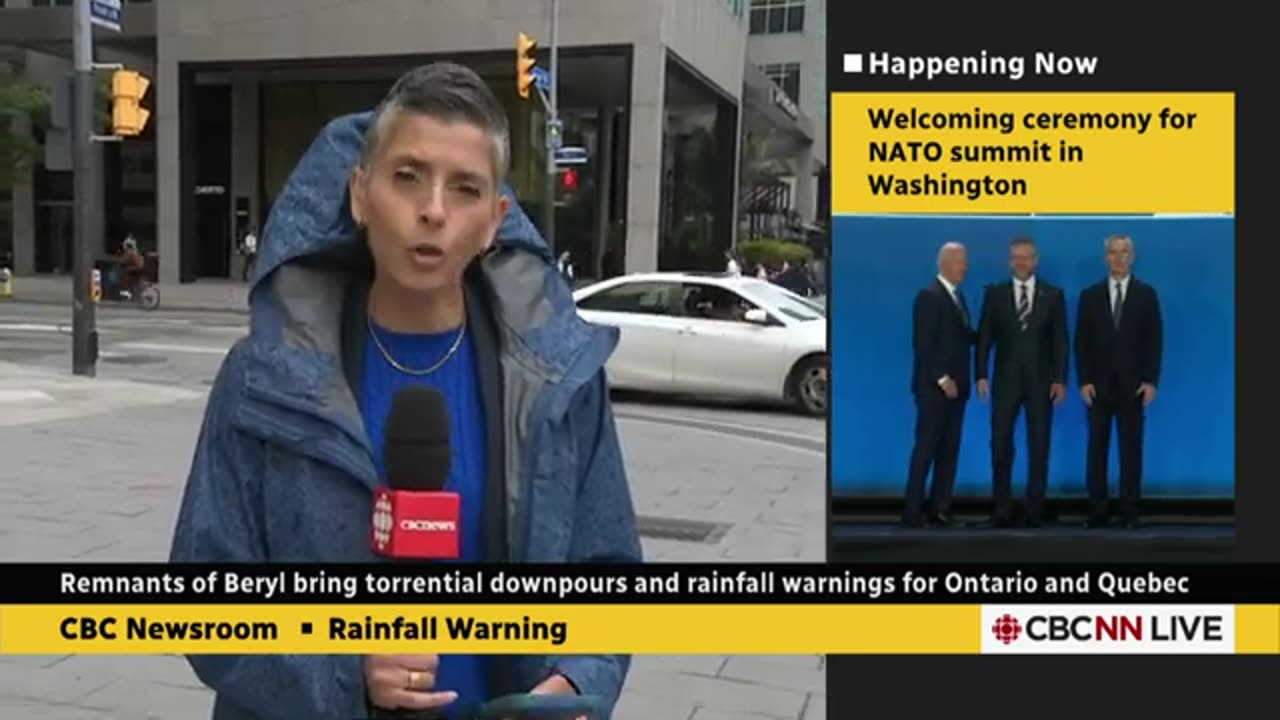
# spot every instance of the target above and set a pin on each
(187, 143)
(726, 176)
(113, 229)
(22, 203)
(211, 243)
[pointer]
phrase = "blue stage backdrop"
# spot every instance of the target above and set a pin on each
(879, 264)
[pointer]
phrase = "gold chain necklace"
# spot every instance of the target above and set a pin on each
(457, 343)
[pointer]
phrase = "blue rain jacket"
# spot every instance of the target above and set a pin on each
(283, 470)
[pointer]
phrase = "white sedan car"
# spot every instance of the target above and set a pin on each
(713, 335)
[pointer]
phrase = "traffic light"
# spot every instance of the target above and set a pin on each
(569, 180)
(128, 87)
(525, 62)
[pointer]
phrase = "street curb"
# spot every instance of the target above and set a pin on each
(741, 432)
(124, 306)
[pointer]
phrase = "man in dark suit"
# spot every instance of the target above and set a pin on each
(1119, 341)
(942, 341)
(1025, 321)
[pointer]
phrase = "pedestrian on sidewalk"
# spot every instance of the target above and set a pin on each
(732, 267)
(420, 270)
(565, 267)
(249, 248)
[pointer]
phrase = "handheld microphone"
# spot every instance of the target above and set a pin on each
(413, 517)
(541, 707)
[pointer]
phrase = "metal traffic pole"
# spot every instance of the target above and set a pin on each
(552, 130)
(84, 350)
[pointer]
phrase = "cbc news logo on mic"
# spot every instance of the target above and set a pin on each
(382, 521)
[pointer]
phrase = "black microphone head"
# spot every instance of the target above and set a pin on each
(417, 440)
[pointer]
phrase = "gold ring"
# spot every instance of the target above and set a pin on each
(414, 675)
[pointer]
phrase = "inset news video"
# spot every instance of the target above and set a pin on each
(441, 360)
(1046, 248)
(1043, 327)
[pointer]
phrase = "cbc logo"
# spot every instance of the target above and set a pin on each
(1006, 629)
(427, 525)
(382, 521)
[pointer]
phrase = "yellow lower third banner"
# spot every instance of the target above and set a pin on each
(637, 629)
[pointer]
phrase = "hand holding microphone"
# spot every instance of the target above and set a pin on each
(535, 706)
(413, 519)
(404, 682)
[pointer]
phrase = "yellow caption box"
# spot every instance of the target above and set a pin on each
(587, 629)
(1033, 153)
(516, 629)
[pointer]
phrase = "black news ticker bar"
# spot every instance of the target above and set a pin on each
(737, 583)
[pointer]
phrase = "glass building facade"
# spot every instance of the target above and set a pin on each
(590, 215)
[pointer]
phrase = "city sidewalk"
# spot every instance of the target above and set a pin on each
(210, 295)
(103, 483)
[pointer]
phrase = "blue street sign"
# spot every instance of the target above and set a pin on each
(106, 14)
(542, 78)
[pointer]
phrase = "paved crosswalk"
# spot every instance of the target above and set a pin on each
(144, 359)
(30, 395)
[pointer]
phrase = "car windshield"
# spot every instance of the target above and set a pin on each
(788, 303)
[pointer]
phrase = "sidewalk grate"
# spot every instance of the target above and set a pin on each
(680, 530)
(131, 359)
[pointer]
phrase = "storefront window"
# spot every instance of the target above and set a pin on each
(294, 113)
(697, 175)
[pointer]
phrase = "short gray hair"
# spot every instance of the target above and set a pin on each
(448, 92)
(948, 247)
(1120, 237)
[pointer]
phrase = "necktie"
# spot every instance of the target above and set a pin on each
(1118, 305)
(1024, 306)
(964, 311)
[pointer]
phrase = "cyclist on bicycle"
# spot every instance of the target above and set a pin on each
(131, 266)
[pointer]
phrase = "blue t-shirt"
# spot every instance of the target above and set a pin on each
(458, 381)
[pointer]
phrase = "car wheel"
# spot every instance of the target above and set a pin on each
(809, 384)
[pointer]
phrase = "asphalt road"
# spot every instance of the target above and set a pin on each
(712, 483)
(186, 349)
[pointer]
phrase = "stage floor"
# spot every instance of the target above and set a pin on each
(1153, 541)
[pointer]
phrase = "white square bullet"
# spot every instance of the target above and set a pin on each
(853, 62)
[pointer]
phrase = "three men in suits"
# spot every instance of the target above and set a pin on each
(1025, 321)
(942, 341)
(1119, 341)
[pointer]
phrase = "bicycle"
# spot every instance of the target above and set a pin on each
(145, 295)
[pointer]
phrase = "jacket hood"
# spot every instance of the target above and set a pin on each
(310, 249)
(312, 215)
